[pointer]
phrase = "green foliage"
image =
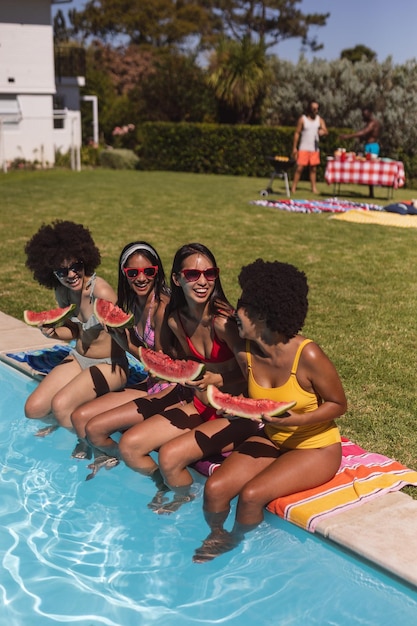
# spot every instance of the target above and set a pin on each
(175, 90)
(90, 156)
(152, 22)
(358, 53)
(119, 159)
(268, 21)
(238, 74)
(342, 88)
(62, 159)
(210, 148)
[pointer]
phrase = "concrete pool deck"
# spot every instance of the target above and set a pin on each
(383, 531)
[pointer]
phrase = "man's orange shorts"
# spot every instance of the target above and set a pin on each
(305, 157)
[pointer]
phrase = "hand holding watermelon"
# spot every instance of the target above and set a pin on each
(112, 316)
(162, 366)
(48, 319)
(239, 406)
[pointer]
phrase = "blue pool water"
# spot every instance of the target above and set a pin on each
(92, 553)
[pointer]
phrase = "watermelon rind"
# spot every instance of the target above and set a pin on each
(162, 366)
(52, 317)
(111, 315)
(246, 407)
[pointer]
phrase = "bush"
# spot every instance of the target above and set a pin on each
(219, 149)
(119, 159)
(211, 148)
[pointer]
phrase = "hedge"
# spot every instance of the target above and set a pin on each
(218, 149)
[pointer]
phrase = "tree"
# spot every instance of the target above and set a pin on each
(358, 53)
(174, 91)
(145, 22)
(267, 21)
(181, 22)
(62, 33)
(342, 89)
(238, 75)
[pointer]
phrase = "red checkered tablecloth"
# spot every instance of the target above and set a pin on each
(383, 173)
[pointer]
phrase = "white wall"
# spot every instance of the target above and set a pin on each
(27, 74)
(26, 59)
(32, 138)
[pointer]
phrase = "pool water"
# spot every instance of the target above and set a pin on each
(92, 553)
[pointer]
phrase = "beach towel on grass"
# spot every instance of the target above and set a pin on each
(362, 476)
(43, 360)
(329, 205)
(382, 218)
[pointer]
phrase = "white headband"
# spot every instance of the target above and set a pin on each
(136, 248)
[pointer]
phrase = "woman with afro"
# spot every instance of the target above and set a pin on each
(291, 453)
(63, 256)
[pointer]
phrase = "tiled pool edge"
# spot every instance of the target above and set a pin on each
(382, 531)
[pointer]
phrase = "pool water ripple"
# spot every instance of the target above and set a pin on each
(92, 552)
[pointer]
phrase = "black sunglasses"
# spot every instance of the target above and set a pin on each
(76, 268)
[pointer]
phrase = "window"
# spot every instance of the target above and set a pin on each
(59, 112)
(10, 114)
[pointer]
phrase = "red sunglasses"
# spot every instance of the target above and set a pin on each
(132, 272)
(191, 276)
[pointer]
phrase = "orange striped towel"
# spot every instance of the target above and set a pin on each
(361, 477)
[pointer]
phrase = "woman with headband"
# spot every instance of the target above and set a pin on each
(143, 291)
(197, 328)
(63, 256)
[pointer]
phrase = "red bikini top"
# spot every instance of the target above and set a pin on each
(220, 351)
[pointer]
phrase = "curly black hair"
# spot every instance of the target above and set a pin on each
(276, 292)
(56, 243)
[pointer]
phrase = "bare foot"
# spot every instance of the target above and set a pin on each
(102, 461)
(46, 430)
(82, 451)
(218, 542)
(176, 503)
(158, 500)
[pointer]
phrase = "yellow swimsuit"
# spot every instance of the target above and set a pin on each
(313, 436)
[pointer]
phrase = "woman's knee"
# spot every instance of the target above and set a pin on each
(214, 488)
(251, 495)
(130, 447)
(169, 457)
(79, 417)
(35, 408)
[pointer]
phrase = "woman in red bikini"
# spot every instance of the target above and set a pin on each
(197, 329)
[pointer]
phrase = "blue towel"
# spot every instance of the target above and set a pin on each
(43, 361)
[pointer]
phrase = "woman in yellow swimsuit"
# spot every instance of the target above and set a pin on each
(297, 451)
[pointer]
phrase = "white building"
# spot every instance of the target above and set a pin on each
(39, 112)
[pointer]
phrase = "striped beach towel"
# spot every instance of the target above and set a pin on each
(362, 476)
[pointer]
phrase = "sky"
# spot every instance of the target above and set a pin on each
(387, 27)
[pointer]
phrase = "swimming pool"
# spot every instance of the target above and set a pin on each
(93, 553)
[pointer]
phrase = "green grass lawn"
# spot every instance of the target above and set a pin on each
(363, 292)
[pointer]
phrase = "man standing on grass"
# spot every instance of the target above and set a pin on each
(310, 127)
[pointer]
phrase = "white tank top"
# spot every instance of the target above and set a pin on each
(310, 135)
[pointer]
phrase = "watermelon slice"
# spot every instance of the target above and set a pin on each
(53, 317)
(246, 407)
(173, 370)
(111, 315)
